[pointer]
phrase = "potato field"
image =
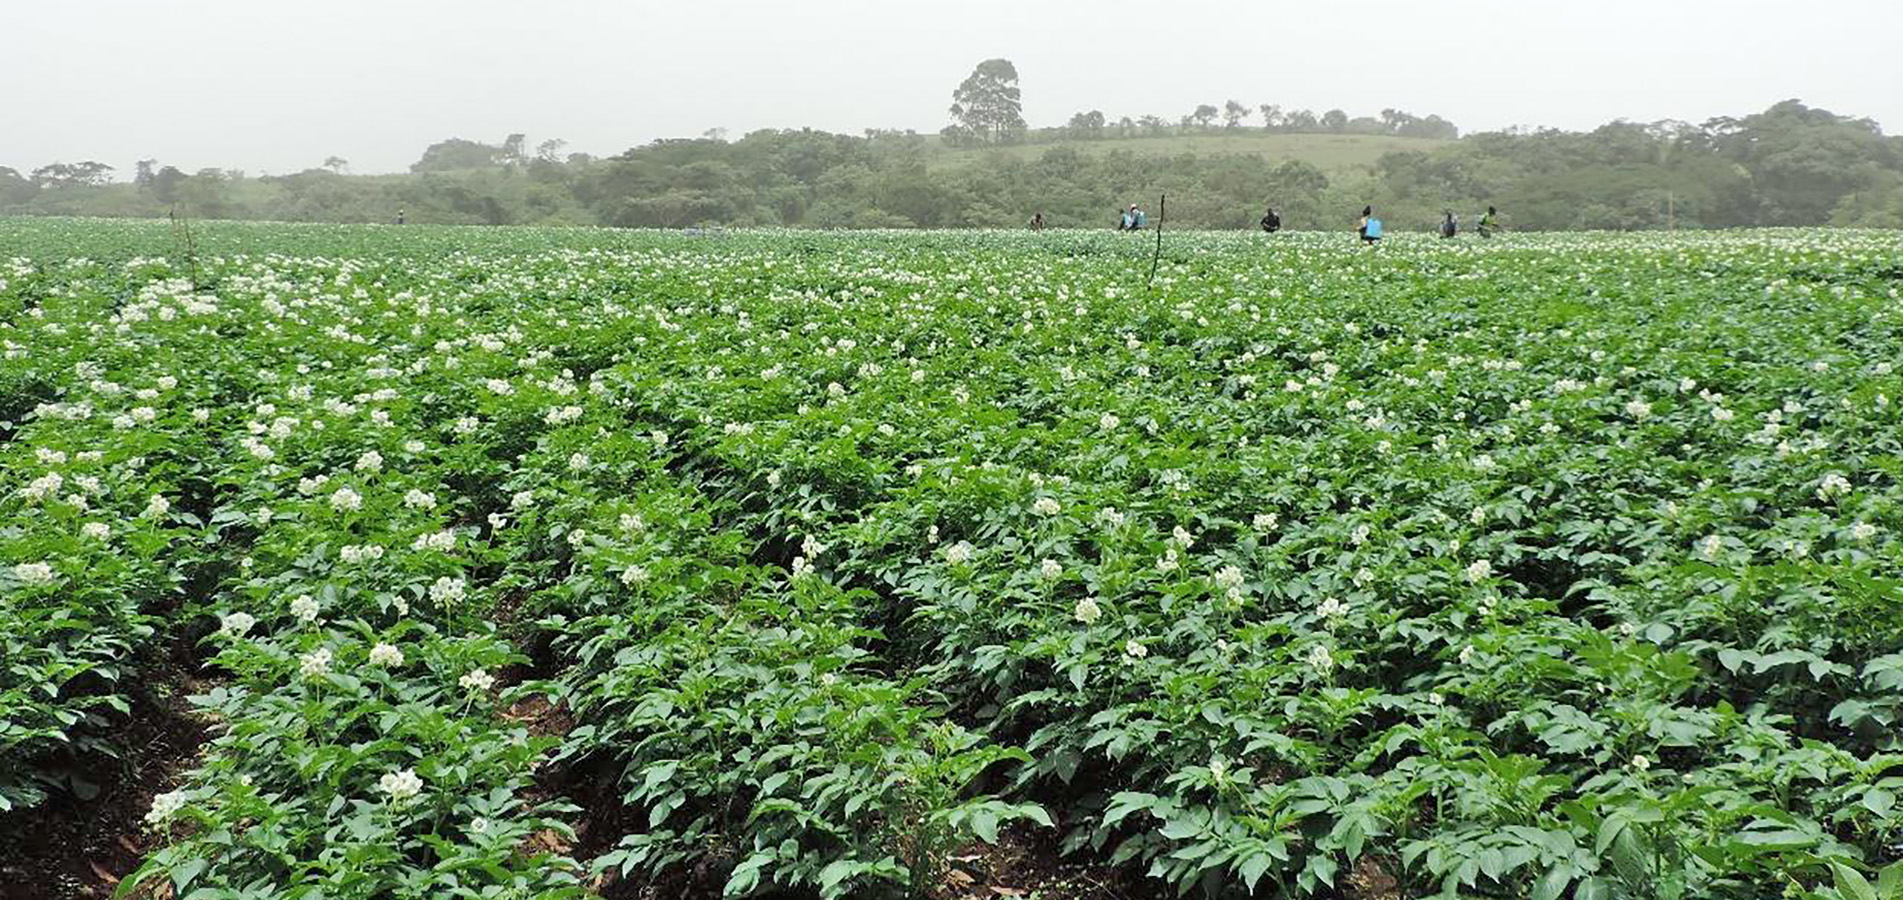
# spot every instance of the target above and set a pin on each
(407, 563)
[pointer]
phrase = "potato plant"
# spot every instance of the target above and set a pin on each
(1555, 566)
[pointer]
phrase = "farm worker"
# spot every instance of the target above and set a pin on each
(1129, 220)
(1370, 227)
(1037, 222)
(1490, 222)
(1449, 226)
(1137, 218)
(1271, 222)
(399, 217)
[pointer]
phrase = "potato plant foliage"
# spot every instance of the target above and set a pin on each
(1560, 566)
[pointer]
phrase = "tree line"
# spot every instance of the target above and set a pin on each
(1788, 165)
(988, 108)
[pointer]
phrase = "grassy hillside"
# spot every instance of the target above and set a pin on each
(1332, 153)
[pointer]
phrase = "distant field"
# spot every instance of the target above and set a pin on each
(1329, 152)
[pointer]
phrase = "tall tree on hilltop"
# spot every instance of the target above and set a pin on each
(988, 104)
(1233, 112)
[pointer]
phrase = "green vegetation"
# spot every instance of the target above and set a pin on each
(1334, 155)
(554, 562)
(1788, 166)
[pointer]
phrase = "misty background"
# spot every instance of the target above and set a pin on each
(277, 87)
(830, 113)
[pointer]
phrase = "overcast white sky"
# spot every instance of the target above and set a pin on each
(278, 85)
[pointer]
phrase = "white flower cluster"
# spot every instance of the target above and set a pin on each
(386, 655)
(400, 786)
(33, 573)
(447, 591)
(45, 486)
(314, 664)
(476, 681)
(444, 541)
(356, 553)
(164, 807)
(236, 624)
(1833, 486)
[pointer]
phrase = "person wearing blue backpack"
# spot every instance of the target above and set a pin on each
(1370, 227)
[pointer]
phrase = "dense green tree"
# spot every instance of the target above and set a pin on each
(1086, 125)
(989, 104)
(457, 153)
(14, 187)
(79, 174)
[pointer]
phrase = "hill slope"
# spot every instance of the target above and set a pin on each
(1331, 153)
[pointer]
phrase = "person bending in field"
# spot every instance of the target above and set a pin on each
(1449, 226)
(1037, 222)
(1490, 222)
(1370, 227)
(1271, 222)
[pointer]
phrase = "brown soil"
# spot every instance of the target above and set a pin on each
(1025, 863)
(1370, 880)
(71, 850)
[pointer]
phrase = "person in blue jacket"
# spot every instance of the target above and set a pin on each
(1369, 227)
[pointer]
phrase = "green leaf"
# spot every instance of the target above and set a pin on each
(1851, 884)
(1553, 884)
(1879, 801)
(1253, 866)
(984, 823)
(1890, 882)
(186, 872)
(835, 872)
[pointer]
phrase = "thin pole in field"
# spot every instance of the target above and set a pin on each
(1162, 215)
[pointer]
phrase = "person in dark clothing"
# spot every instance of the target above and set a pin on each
(1127, 218)
(1137, 218)
(1271, 222)
(1037, 222)
(1449, 226)
(399, 217)
(1490, 222)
